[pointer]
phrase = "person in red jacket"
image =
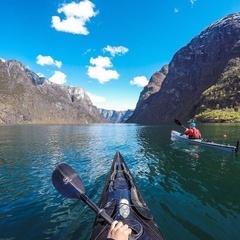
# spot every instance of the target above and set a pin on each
(192, 132)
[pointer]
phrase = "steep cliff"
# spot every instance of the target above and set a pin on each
(147, 95)
(27, 98)
(193, 70)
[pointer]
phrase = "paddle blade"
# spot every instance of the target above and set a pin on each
(67, 182)
(237, 147)
(177, 122)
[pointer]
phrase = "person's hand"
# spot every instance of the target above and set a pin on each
(119, 231)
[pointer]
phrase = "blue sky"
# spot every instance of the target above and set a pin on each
(111, 48)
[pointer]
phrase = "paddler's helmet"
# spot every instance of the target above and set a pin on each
(192, 124)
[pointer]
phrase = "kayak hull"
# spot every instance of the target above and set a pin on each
(177, 136)
(121, 191)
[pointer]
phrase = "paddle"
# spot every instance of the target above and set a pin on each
(237, 146)
(70, 185)
(179, 123)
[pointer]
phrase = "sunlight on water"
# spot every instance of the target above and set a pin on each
(192, 192)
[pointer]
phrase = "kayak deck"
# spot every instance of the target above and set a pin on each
(226, 147)
(122, 200)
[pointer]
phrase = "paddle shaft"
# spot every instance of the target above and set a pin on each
(184, 127)
(99, 211)
(96, 209)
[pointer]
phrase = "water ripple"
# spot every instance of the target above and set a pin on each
(197, 197)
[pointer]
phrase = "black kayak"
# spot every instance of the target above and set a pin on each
(122, 201)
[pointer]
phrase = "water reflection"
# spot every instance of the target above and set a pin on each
(198, 189)
(197, 197)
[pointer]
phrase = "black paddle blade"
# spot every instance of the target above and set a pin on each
(67, 182)
(177, 122)
(237, 147)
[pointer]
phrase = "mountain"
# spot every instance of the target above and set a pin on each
(152, 87)
(115, 116)
(201, 81)
(27, 98)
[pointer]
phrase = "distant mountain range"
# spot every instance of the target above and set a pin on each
(116, 116)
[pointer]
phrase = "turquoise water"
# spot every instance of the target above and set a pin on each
(193, 193)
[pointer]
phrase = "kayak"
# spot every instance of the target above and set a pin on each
(122, 201)
(177, 136)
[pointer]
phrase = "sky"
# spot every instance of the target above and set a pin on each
(111, 48)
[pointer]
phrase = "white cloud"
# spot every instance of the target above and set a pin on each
(100, 71)
(140, 81)
(58, 77)
(100, 61)
(116, 50)
(101, 74)
(77, 15)
(95, 98)
(48, 60)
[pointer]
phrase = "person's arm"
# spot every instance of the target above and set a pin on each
(188, 132)
(119, 231)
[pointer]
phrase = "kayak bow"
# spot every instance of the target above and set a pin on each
(177, 136)
(122, 201)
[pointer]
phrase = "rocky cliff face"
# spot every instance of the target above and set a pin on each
(27, 98)
(193, 70)
(149, 91)
(116, 116)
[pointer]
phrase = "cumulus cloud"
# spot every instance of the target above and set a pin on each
(101, 74)
(140, 81)
(76, 17)
(58, 77)
(100, 61)
(116, 50)
(100, 69)
(48, 60)
(95, 98)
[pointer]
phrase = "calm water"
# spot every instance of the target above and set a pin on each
(191, 196)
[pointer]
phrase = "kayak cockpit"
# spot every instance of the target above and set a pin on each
(122, 201)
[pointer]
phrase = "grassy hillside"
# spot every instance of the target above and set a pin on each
(221, 102)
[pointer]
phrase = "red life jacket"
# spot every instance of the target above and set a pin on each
(196, 134)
